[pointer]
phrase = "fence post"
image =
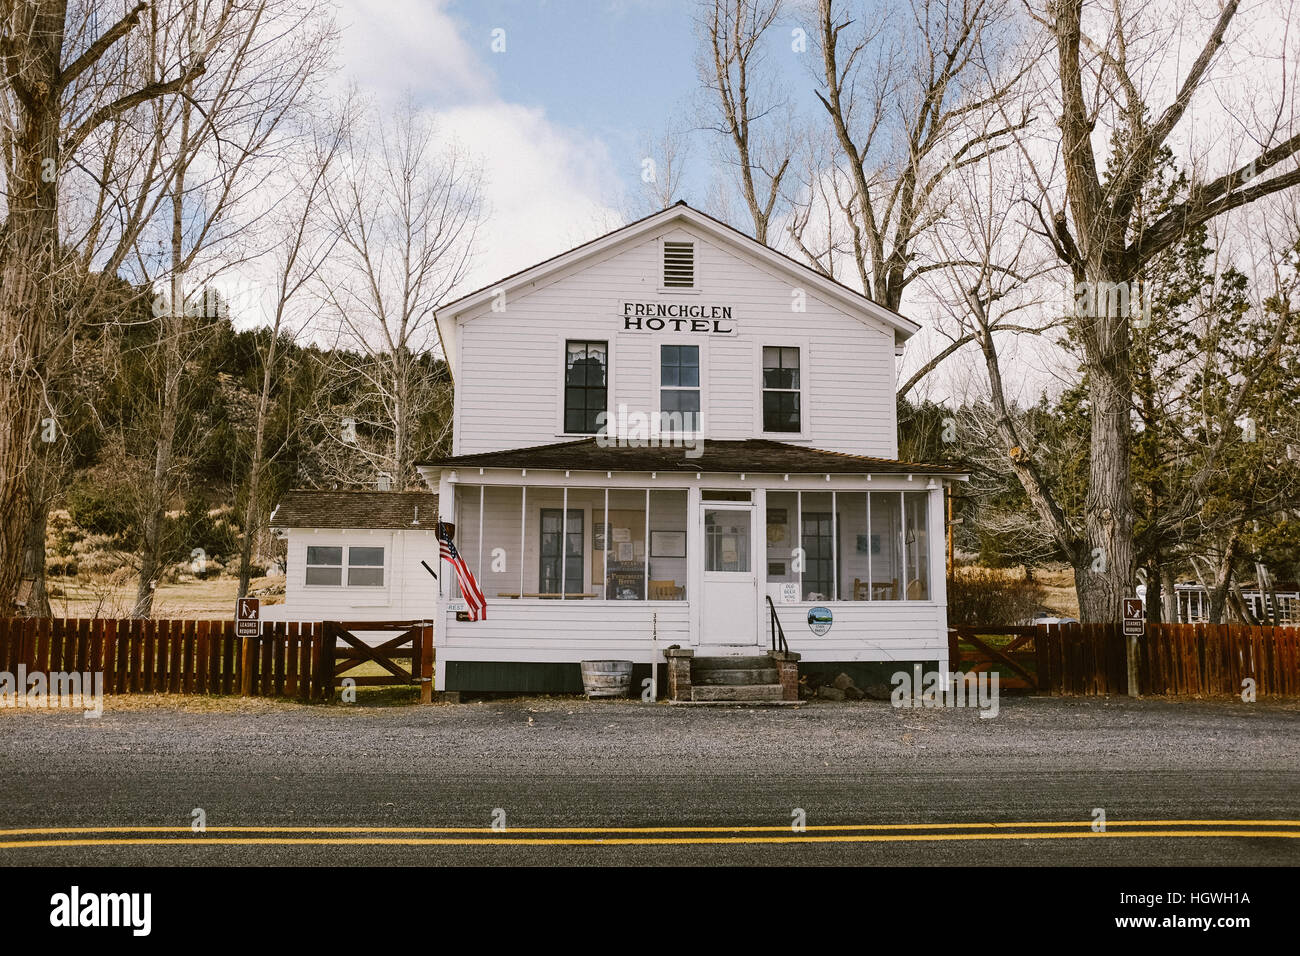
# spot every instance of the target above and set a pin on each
(247, 656)
(426, 664)
(1131, 646)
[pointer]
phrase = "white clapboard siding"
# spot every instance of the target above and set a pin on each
(869, 631)
(510, 379)
(566, 631)
(408, 592)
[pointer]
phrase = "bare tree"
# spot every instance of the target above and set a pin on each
(743, 102)
(900, 93)
(407, 210)
(664, 155)
(1105, 78)
(305, 240)
(58, 91)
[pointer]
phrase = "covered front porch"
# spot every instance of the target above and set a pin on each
(579, 563)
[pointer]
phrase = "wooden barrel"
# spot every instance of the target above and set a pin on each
(606, 678)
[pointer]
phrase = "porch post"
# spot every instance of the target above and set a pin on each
(938, 570)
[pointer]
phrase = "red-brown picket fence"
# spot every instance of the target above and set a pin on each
(302, 660)
(1173, 659)
(171, 656)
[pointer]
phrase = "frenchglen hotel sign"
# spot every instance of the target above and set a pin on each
(677, 318)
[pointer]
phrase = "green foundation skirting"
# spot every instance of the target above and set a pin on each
(537, 677)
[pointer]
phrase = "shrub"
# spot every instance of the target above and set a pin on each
(99, 510)
(983, 596)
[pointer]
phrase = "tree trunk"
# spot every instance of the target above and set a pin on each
(27, 275)
(173, 330)
(1108, 511)
(1170, 593)
(38, 603)
(1155, 591)
(252, 509)
(1223, 577)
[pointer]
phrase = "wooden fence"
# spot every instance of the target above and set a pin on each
(286, 659)
(1173, 659)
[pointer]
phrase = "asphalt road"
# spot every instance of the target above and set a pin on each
(896, 776)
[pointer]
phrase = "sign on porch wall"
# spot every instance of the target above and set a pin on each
(677, 317)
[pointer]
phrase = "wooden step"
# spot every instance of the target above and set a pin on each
(738, 693)
(749, 675)
(700, 664)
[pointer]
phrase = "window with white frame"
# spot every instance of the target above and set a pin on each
(586, 367)
(679, 388)
(365, 566)
(781, 389)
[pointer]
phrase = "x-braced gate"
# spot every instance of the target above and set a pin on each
(413, 645)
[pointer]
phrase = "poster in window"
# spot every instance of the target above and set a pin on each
(667, 544)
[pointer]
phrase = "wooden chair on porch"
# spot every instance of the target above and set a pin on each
(861, 590)
(665, 591)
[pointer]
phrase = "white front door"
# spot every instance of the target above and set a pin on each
(730, 580)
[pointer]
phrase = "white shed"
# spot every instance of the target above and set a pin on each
(356, 555)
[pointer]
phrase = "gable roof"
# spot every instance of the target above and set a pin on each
(754, 455)
(356, 510)
(850, 299)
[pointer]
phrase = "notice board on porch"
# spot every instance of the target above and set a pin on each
(624, 539)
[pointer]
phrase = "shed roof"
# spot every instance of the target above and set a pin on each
(313, 508)
(754, 455)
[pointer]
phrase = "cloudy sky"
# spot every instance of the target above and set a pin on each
(557, 118)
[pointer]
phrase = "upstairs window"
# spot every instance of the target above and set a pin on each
(781, 389)
(585, 386)
(679, 265)
(679, 388)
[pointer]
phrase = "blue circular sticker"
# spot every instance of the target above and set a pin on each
(819, 620)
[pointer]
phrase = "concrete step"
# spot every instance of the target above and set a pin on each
(749, 675)
(701, 664)
(737, 693)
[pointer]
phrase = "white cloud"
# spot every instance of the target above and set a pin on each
(390, 47)
(543, 185)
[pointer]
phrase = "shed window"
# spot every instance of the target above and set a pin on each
(325, 566)
(366, 567)
(585, 386)
(781, 389)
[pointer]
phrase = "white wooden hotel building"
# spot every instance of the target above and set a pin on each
(657, 432)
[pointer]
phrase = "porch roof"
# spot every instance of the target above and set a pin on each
(752, 455)
(312, 508)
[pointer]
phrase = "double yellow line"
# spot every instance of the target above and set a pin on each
(30, 837)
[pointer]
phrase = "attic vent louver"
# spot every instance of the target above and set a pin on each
(679, 265)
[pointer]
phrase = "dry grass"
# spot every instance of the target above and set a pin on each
(90, 596)
(1059, 585)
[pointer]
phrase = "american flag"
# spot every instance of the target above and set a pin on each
(468, 586)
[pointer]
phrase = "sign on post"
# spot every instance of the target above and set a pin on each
(248, 613)
(1134, 627)
(1134, 618)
